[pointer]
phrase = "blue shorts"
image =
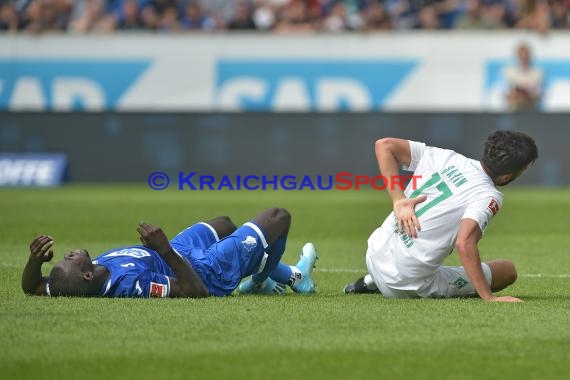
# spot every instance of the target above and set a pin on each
(221, 264)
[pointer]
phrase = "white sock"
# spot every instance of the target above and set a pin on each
(369, 281)
(296, 276)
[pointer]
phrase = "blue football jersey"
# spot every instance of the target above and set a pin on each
(138, 271)
(135, 271)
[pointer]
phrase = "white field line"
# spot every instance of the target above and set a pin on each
(363, 271)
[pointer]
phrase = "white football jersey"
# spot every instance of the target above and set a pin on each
(457, 188)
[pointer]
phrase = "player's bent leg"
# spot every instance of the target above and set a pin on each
(275, 222)
(223, 226)
(503, 272)
(451, 282)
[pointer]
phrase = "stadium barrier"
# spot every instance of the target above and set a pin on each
(130, 146)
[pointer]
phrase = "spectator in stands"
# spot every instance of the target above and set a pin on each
(511, 8)
(264, 15)
(538, 19)
(448, 11)
(128, 17)
(376, 18)
(560, 17)
(336, 19)
(194, 18)
(295, 18)
(482, 16)
(47, 15)
(524, 82)
(342, 15)
(243, 17)
(90, 16)
(158, 14)
(281, 15)
(428, 18)
(223, 10)
(169, 20)
(9, 19)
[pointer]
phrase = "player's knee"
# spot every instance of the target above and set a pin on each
(507, 272)
(511, 273)
(280, 216)
(283, 215)
(504, 274)
(227, 221)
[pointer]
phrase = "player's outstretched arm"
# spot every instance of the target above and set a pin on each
(40, 252)
(187, 282)
(391, 153)
(466, 245)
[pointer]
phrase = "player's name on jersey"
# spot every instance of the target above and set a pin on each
(457, 178)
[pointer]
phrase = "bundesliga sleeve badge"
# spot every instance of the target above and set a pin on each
(493, 206)
(157, 290)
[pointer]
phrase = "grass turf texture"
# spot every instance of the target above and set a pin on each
(323, 336)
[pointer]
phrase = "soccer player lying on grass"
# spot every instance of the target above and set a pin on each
(450, 207)
(196, 263)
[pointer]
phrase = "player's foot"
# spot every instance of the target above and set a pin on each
(359, 287)
(306, 264)
(268, 287)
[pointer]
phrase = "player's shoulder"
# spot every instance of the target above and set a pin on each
(441, 155)
(483, 187)
(438, 150)
(488, 198)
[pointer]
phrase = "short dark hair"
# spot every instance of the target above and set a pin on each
(507, 152)
(65, 284)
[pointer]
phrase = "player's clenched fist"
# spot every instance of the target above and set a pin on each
(152, 237)
(40, 249)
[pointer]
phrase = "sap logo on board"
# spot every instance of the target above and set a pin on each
(555, 90)
(66, 85)
(308, 85)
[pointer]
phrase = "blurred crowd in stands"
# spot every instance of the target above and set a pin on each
(101, 16)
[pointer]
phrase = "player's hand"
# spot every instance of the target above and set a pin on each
(152, 237)
(404, 210)
(504, 299)
(40, 249)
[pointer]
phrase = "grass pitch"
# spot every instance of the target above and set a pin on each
(323, 336)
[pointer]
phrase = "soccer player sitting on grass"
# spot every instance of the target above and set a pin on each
(450, 207)
(196, 263)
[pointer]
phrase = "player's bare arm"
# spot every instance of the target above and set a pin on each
(466, 246)
(40, 252)
(187, 282)
(391, 153)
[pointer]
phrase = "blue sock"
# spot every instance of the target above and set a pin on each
(282, 273)
(274, 252)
